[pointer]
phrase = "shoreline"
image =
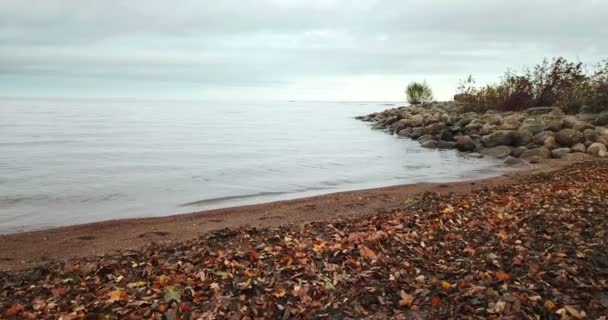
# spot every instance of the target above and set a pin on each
(25, 250)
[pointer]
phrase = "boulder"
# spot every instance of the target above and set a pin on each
(601, 120)
(550, 143)
(590, 135)
(540, 110)
(512, 122)
(425, 138)
(416, 121)
(582, 126)
(554, 125)
(603, 154)
(534, 128)
(446, 135)
(525, 137)
(569, 137)
(579, 147)
(516, 152)
(405, 133)
(389, 121)
(501, 138)
(446, 144)
(576, 156)
(541, 137)
(595, 149)
(499, 152)
(431, 144)
(511, 161)
(465, 143)
(560, 153)
(399, 125)
(538, 152)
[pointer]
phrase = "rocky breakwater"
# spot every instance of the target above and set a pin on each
(517, 137)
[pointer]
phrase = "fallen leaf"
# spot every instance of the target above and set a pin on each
(117, 295)
(549, 305)
(367, 253)
(406, 299)
(502, 276)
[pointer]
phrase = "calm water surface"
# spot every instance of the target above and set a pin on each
(68, 161)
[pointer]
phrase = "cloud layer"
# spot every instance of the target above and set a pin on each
(283, 48)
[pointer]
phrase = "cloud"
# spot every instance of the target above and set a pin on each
(273, 42)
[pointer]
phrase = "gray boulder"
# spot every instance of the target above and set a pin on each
(538, 152)
(579, 147)
(569, 137)
(534, 128)
(540, 110)
(590, 135)
(550, 143)
(541, 137)
(560, 153)
(425, 138)
(465, 143)
(516, 152)
(431, 144)
(554, 125)
(446, 144)
(595, 149)
(511, 161)
(602, 119)
(501, 138)
(416, 121)
(499, 152)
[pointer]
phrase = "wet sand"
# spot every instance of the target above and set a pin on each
(28, 249)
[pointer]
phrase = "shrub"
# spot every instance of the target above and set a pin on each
(418, 93)
(560, 83)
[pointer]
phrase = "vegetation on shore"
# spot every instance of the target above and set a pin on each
(551, 83)
(418, 93)
(534, 249)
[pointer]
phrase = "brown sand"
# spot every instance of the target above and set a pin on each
(28, 249)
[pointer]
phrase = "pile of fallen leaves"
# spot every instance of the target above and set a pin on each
(535, 249)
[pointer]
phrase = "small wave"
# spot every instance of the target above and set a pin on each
(227, 198)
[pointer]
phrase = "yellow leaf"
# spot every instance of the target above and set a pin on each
(445, 285)
(500, 216)
(279, 293)
(575, 313)
(117, 295)
(448, 210)
(406, 299)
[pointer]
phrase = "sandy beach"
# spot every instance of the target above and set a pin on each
(28, 249)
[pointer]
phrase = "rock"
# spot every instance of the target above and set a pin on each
(405, 133)
(569, 137)
(603, 154)
(554, 125)
(534, 128)
(540, 110)
(536, 159)
(400, 125)
(465, 143)
(576, 156)
(446, 135)
(590, 135)
(579, 147)
(501, 138)
(602, 119)
(499, 152)
(541, 137)
(560, 153)
(475, 155)
(416, 120)
(487, 129)
(516, 152)
(512, 161)
(425, 138)
(431, 144)
(525, 137)
(550, 143)
(595, 149)
(582, 126)
(417, 133)
(446, 144)
(585, 109)
(512, 122)
(538, 152)
(389, 121)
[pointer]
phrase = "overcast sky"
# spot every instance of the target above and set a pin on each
(282, 49)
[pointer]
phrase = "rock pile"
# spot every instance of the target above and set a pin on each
(531, 135)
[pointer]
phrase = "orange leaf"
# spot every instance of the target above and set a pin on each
(14, 310)
(502, 276)
(406, 299)
(367, 253)
(117, 295)
(549, 305)
(502, 234)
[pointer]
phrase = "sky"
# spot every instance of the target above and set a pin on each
(283, 49)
